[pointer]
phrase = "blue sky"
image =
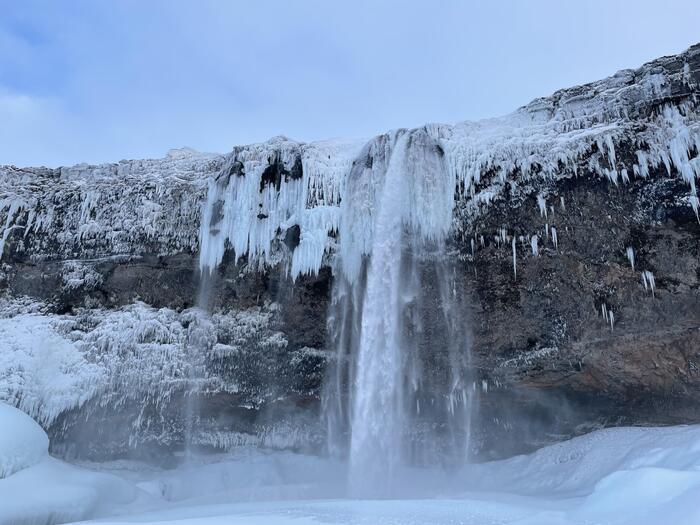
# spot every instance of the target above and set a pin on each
(100, 81)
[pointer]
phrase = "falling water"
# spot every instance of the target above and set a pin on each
(401, 394)
(199, 335)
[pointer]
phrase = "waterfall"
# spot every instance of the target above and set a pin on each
(400, 394)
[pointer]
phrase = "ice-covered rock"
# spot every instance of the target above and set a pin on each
(277, 222)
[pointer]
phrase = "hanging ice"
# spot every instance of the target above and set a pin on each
(648, 281)
(542, 204)
(630, 256)
(533, 245)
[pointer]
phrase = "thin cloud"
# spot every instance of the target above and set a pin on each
(129, 79)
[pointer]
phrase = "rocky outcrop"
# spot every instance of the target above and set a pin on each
(575, 240)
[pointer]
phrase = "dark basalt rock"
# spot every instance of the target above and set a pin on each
(292, 236)
(276, 172)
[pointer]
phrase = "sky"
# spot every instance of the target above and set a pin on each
(99, 81)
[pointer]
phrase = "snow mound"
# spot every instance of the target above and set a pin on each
(577, 467)
(55, 492)
(23, 442)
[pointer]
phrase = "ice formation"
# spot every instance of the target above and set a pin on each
(630, 256)
(533, 245)
(266, 190)
(648, 281)
(51, 364)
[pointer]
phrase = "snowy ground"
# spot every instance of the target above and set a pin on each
(615, 476)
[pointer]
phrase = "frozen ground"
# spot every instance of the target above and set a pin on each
(615, 476)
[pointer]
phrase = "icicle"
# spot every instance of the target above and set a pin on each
(533, 245)
(484, 386)
(542, 204)
(503, 235)
(481, 241)
(546, 230)
(695, 204)
(515, 270)
(648, 281)
(561, 201)
(472, 243)
(630, 256)
(555, 241)
(611, 316)
(625, 176)
(604, 311)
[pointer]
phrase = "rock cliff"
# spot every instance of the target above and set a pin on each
(574, 239)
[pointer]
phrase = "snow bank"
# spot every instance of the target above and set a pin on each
(625, 476)
(618, 476)
(23, 442)
(37, 489)
(55, 492)
(574, 467)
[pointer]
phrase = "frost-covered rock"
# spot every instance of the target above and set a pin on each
(146, 363)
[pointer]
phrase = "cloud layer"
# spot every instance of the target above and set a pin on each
(100, 81)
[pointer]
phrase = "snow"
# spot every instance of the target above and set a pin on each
(620, 476)
(23, 442)
(35, 488)
(54, 492)
(344, 197)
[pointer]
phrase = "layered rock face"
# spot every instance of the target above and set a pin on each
(574, 241)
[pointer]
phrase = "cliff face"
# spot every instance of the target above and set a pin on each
(574, 241)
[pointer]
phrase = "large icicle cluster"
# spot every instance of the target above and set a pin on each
(267, 189)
